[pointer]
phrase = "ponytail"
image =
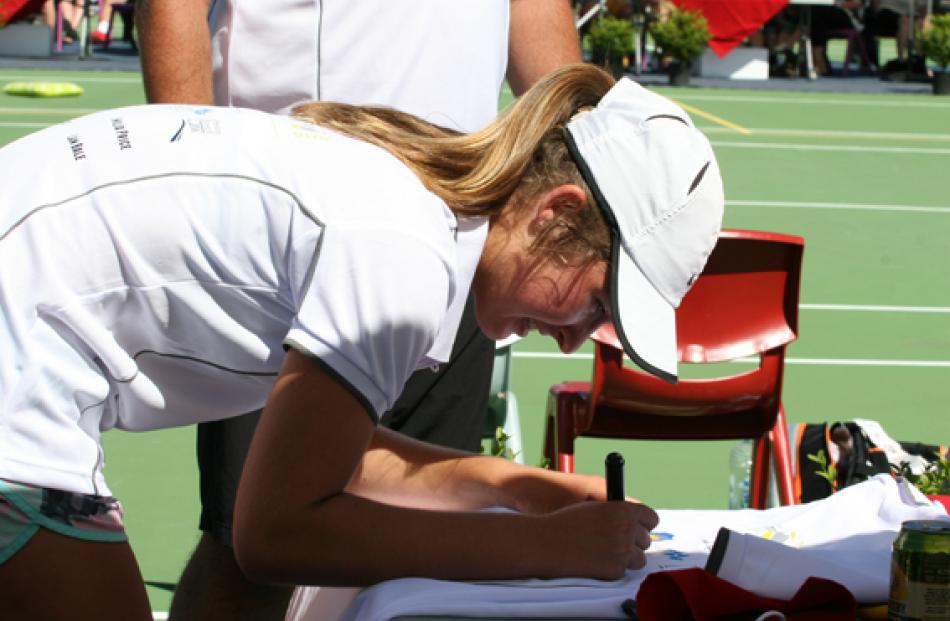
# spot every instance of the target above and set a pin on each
(517, 156)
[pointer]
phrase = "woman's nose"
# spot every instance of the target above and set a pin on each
(571, 338)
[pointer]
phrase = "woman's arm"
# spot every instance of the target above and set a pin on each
(176, 50)
(299, 520)
(542, 37)
(400, 470)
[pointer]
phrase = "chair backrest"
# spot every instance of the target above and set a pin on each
(745, 303)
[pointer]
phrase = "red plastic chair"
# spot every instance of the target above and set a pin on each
(745, 303)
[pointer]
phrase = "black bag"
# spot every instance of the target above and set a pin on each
(832, 456)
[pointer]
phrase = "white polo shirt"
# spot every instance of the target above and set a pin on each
(444, 61)
(155, 261)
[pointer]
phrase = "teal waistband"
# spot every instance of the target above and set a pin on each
(23, 518)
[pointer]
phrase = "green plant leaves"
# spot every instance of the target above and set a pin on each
(934, 40)
(683, 34)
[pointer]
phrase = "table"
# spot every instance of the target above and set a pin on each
(870, 615)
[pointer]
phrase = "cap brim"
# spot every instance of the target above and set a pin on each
(649, 320)
(647, 327)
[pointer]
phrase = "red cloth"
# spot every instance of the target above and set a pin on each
(11, 10)
(942, 499)
(730, 22)
(697, 595)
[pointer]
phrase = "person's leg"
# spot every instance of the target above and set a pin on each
(212, 585)
(57, 577)
(71, 15)
(903, 37)
(65, 555)
(72, 12)
(48, 12)
(101, 33)
(826, 20)
(105, 11)
(870, 36)
(820, 58)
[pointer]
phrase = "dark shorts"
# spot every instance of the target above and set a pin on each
(24, 509)
(448, 407)
(826, 20)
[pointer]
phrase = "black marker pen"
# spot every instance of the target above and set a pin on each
(614, 474)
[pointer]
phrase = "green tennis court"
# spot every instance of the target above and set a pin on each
(862, 177)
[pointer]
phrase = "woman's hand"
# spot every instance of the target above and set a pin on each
(602, 539)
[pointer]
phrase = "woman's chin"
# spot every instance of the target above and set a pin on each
(498, 331)
(496, 334)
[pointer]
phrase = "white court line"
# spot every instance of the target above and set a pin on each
(550, 355)
(843, 362)
(26, 125)
(864, 206)
(78, 77)
(875, 308)
(851, 362)
(828, 147)
(159, 615)
(807, 361)
(830, 133)
(66, 111)
(870, 102)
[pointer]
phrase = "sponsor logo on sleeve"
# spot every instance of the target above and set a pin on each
(206, 127)
(77, 147)
(121, 134)
(177, 136)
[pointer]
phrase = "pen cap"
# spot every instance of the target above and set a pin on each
(613, 460)
(613, 466)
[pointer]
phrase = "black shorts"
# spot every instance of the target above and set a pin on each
(448, 407)
(825, 20)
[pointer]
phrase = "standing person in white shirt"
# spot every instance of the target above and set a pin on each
(443, 61)
(166, 265)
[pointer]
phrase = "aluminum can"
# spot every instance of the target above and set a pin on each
(920, 572)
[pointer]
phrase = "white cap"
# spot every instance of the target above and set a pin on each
(656, 178)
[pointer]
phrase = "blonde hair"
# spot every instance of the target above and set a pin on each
(513, 159)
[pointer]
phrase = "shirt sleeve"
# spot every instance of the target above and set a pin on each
(372, 309)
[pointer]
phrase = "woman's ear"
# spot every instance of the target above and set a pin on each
(556, 201)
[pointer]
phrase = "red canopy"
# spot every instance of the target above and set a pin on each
(731, 21)
(13, 9)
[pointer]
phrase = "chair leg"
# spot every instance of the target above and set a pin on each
(564, 432)
(59, 26)
(562, 405)
(549, 452)
(772, 449)
(553, 428)
(565, 462)
(761, 465)
(783, 459)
